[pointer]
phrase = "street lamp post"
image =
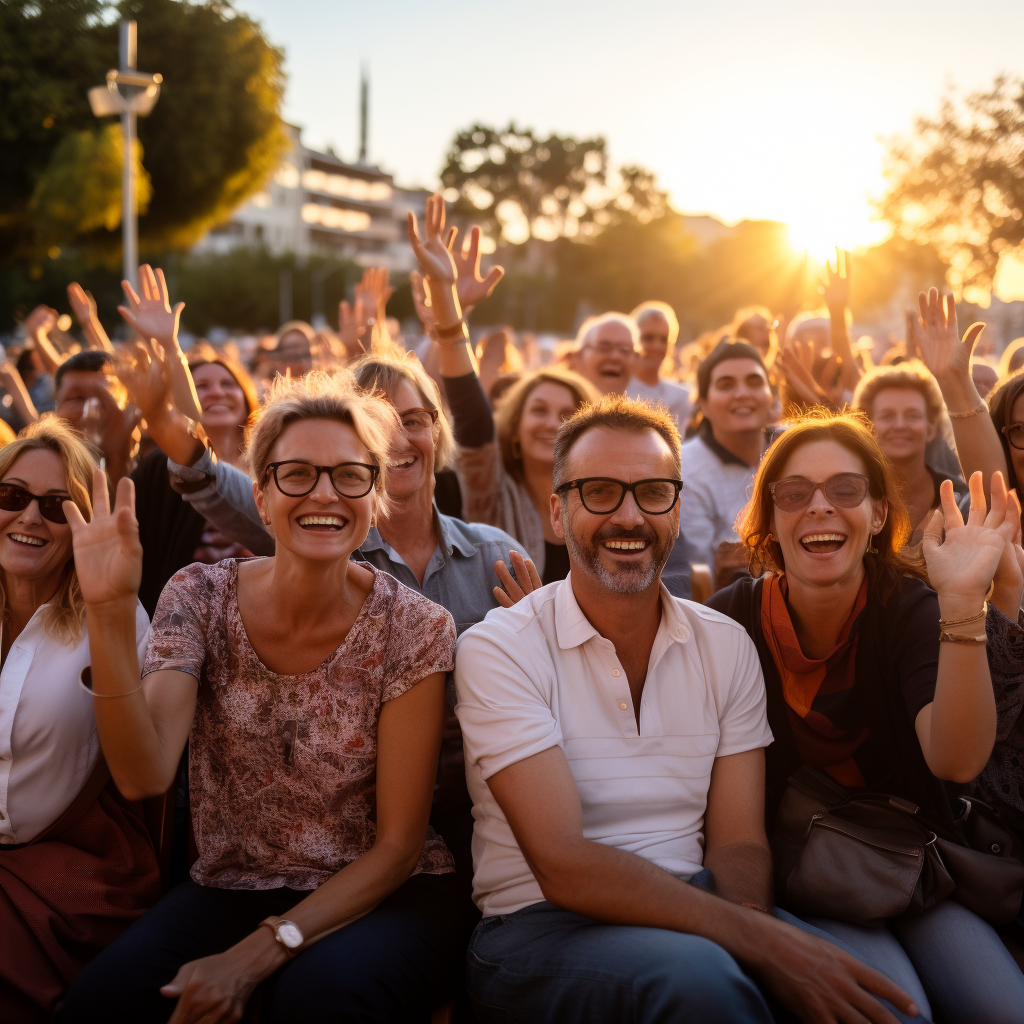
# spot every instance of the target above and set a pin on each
(131, 94)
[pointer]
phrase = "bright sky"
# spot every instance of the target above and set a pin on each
(743, 109)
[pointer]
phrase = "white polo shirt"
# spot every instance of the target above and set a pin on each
(539, 675)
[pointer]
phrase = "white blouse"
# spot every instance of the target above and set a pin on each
(48, 740)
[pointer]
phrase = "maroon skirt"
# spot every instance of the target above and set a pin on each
(62, 900)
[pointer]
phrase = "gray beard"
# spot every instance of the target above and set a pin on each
(625, 580)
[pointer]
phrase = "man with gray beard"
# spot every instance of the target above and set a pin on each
(614, 743)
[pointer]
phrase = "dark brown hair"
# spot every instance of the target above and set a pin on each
(615, 412)
(853, 431)
(1000, 404)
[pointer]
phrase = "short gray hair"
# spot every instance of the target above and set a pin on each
(592, 323)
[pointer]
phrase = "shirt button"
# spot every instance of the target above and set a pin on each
(622, 706)
(616, 672)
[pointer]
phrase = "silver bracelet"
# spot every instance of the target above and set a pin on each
(92, 693)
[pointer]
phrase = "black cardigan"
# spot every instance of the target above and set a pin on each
(905, 629)
(169, 527)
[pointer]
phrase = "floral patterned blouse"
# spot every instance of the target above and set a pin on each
(282, 769)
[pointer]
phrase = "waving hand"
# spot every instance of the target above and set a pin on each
(108, 555)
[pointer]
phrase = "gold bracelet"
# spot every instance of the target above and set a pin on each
(971, 618)
(967, 415)
(959, 638)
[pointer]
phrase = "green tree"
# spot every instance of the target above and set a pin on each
(517, 183)
(213, 139)
(958, 182)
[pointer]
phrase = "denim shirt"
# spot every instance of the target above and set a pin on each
(459, 576)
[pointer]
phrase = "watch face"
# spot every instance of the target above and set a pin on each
(289, 934)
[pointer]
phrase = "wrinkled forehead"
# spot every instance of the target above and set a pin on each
(622, 454)
(611, 331)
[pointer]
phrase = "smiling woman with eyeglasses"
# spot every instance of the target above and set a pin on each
(875, 680)
(68, 843)
(310, 686)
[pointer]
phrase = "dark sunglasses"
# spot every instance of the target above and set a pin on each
(14, 498)
(601, 496)
(847, 490)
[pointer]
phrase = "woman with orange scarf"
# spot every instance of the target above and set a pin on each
(874, 678)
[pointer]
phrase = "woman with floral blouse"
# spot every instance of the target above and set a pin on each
(311, 690)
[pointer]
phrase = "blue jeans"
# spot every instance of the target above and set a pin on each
(396, 963)
(948, 959)
(544, 965)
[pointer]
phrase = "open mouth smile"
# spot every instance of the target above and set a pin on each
(321, 523)
(823, 543)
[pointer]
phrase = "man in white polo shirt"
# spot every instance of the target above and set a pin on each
(614, 749)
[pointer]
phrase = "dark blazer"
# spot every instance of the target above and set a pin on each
(897, 655)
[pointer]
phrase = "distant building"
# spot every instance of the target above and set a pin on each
(319, 205)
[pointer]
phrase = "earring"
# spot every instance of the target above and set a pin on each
(872, 550)
(517, 448)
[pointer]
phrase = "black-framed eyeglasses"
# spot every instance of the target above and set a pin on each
(1015, 435)
(296, 478)
(602, 496)
(51, 506)
(847, 490)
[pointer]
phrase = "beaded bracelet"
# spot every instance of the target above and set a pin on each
(967, 415)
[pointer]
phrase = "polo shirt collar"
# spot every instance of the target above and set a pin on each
(573, 628)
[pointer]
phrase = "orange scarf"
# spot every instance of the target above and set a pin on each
(819, 692)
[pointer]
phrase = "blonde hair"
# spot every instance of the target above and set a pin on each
(910, 375)
(322, 395)
(384, 373)
(65, 617)
(509, 412)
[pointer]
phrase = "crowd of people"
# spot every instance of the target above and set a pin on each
(351, 679)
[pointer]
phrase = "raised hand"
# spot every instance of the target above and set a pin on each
(108, 555)
(431, 250)
(143, 371)
(83, 305)
(155, 320)
(421, 301)
(471, 286)
(353, 326)
(152, 315)
(38, 325)
(937, 337)
(375, 291)
(526, 580)
(836, 289)
(962, 564)
(1008, 583)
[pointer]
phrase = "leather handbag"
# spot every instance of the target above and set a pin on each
(867, 857)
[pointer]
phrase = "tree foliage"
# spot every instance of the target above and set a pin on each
(524, 186)
(958, 182)
(213, 138)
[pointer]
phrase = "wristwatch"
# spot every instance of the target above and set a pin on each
(287, 933)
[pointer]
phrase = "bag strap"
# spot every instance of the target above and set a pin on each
(87, 796)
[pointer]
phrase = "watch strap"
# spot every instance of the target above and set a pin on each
(273, 924)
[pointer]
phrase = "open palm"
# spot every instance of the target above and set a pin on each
(108, 555)
(143, 372)
(431, 252)
(151, 315)
(937, 337)
(471, 286)
(964, 562)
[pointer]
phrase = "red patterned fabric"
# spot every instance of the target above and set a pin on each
(819, 692)
(64, 899)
